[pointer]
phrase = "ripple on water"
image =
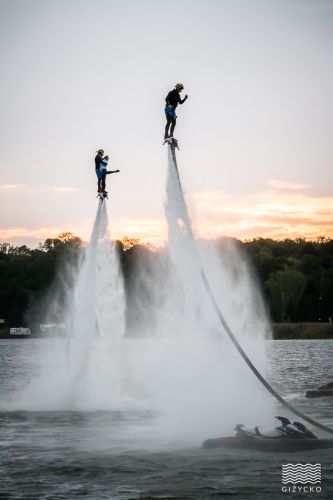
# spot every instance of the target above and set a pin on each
(112, 455)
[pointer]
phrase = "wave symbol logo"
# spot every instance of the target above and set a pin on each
(301, 473)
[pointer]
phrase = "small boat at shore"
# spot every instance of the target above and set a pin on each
(322, 391)
(286, 437)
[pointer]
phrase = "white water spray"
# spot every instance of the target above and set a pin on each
(187, 372)
(83, 371)
(184, 371)
(219, 388)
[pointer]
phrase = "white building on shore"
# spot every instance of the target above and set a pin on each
(20, 331)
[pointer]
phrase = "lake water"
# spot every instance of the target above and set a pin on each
(109, 454)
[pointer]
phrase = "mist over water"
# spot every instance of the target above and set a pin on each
(183, 372)
(75, 372)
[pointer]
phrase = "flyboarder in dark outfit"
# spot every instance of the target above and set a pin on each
(101, 172)
(172, 100)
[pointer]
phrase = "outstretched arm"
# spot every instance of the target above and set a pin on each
(112, 171)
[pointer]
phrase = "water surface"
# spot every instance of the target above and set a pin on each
(114, 455)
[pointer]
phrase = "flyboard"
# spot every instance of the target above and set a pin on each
(102, 196)
(239, 441)
(173, 143)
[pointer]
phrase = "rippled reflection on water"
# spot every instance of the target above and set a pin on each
(114, 455)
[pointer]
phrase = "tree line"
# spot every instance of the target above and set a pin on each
(295, 276)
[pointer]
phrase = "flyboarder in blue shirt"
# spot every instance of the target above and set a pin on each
(101, 163)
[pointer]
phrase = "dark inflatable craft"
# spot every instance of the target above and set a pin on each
(286, 437)
(322, 391)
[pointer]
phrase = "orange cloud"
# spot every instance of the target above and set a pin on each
(285, 211)
(275, 213)
(33, 236)
(39, 189)
(147, 230)
(152, 231)
(11, 187)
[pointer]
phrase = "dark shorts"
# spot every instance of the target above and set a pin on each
(170, 113)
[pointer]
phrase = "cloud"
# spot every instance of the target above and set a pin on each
(274, 213)
(288, 186)
(11, 187)
(33, 236)
(147, 230)
(271, 213)
(38, 189)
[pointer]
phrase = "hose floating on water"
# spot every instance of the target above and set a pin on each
(228, 330)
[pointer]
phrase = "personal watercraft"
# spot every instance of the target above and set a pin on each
(285, 437)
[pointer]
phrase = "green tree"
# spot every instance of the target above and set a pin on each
(26, 275)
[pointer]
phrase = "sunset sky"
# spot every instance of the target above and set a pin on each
(256, 155)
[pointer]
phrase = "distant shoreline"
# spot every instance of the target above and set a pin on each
(302, 331)
(281, 331)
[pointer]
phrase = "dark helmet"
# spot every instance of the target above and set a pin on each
(179, 87)
(100, 151)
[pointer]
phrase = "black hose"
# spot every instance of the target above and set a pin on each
(231, 335)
